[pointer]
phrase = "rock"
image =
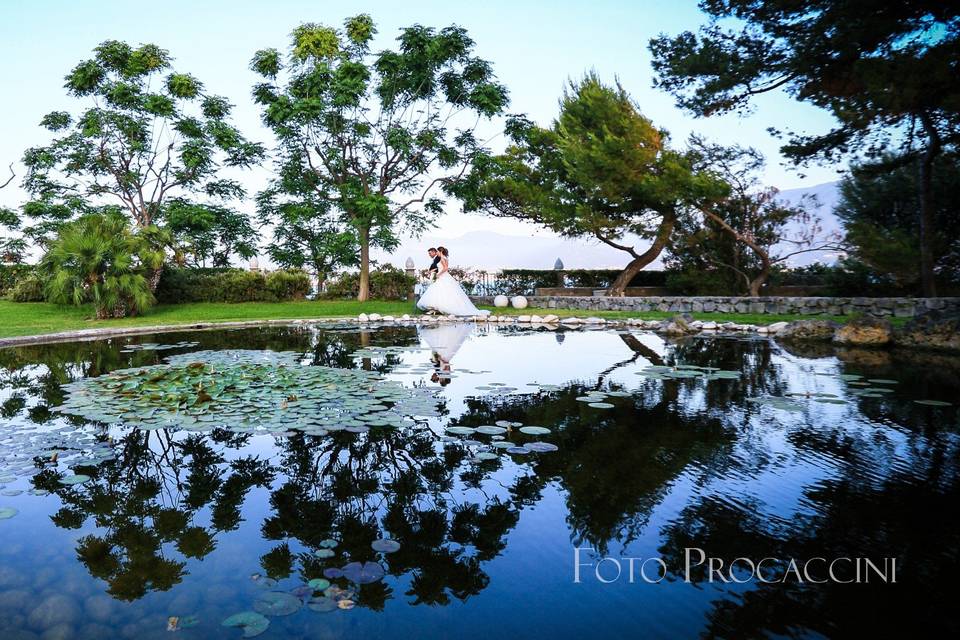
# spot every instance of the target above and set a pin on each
(519, 302)
(677, 326)
(523, 318)
(777, 327)
(536, 319)
(374, 317)
(864, 331)
(549, 319)
(808, 330)
(501, 301)
(573, 320)
(52, 611)
(594, 320)
(405, 316)
(932, 330)
(363, 317)
(388, 318)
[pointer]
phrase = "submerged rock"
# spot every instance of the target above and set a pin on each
(678, 325)
(808, 330)
(865, 332)
(932, 330)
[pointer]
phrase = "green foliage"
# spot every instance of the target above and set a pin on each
(879, 205)
(99, 258)
(207, 233)
(30, 288)
(697, 282)
(288, 285)
(386, 283)
(366, 141)
(151, 139)
(179, 286)
(11, 275)
(527, 281)
(602, 171)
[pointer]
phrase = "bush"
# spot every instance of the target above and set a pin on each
(230, 285)
(698, 283)
(30, 288)
(289, 285)
(11, 275)
(527, 281)
(386, 283)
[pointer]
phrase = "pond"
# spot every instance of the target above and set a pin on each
(464, 481)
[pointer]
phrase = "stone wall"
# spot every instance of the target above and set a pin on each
(897, 307)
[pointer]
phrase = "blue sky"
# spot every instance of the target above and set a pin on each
(534, 47)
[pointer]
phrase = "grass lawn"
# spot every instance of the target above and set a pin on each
(34, 318)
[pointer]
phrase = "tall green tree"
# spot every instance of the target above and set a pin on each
(12, 246)
(886, 71)
(147, 138)
(207, 234)
(378, 136)
(878, 206)
(602, 171)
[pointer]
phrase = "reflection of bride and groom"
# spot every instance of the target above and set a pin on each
(445, 296)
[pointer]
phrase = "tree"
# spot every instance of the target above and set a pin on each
(377, 136)
(151, 138)
(99, 257)
(886, 71)
(878, 206)
(601, 170)
(12, 247)
(306, 235)
(747, 230)
(206, 232)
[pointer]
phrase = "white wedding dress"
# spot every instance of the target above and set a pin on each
(446, 296)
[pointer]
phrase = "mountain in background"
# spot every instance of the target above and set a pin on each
(540, 249)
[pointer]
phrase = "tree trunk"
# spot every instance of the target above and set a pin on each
(927, 282)
(364, 294)
(640, 261)
(758, 281)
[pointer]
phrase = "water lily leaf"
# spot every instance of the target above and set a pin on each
(934, 403)
(7, 512)
(535, 431)
(541, 447)
(332, 573)
(600, 405)
(329, 543)
(385, 545)
(323, 605)
(318, 584)
(252, 623)
(363, 572)
(276, 603)
(74, 479)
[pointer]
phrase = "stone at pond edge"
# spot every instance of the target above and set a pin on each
(678, 325)
(866, 331)
(808, 330)
(932, 330)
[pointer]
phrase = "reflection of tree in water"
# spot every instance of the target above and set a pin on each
(150, 496)
(391, 484)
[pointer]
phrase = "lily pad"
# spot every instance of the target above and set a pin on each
(276, 603)
(329, 543)
(324, 553)
(534, 431)
(252, 623)
(385, 545)
(332, 573)
(934, 403)
(323, 605)
(541, 447)
(7, 512)
(318, 584)
(363, 572)
(600, 405)
(74, 479)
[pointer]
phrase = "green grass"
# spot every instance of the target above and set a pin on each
(35, 318)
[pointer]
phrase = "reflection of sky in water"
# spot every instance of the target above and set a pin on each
(682, 462)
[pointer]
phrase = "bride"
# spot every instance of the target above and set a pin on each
(445, 295)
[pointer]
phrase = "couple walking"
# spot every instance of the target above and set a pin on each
(445, 295)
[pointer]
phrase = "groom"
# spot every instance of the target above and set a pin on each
(435, 265)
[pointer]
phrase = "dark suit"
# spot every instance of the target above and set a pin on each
(435, 266)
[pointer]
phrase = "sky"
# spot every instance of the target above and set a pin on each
(535, 48)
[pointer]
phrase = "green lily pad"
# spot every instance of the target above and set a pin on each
(277, 603)
(534, 431)
(385, 545)
(74, 479)
(600, 405)
(318, 584)
(252, 623)
(7, 512)
(934, 403)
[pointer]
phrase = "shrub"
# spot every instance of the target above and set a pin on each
(527, 281)
(289, 285)
(30, 288)
(11, 275)
(179, 285)
(386, 282)
(698, 283)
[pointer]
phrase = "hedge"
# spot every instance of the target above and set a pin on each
(11, 275)
(386, 283)
(230, 285)
(526, 281)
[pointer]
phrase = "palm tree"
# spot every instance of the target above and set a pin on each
(99, 258)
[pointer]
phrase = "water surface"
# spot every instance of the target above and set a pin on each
(199, 523)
